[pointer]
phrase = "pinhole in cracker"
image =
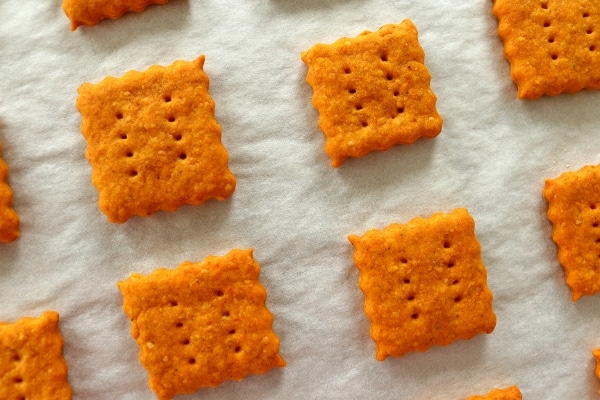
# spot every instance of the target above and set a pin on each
(153, 141)
(510, 393)
(574, 211)
(553, 46)
(201, 323)
(90, 12)
(31, 361)
(372, 91)
(9, 220)
(424, 283)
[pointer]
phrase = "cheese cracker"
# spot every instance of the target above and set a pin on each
(553, 46)
(424, 283)
(510, 393)
(202, 323)
(31, 361)
(153, 141)
(9, 220)
(372, 91)
(90, 12)
(574, 211)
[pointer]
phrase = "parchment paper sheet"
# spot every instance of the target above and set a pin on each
(295, 210)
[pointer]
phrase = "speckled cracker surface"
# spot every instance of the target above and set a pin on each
(553, 46)
(90, 12)
(31, 361)
(510, 393)
(153, 142)
(372, 91)
(9, 220)
(201, 324)
(574, 210)
(424, 283)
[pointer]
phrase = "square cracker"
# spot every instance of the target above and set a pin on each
(31, 361)
(424, 283)
(510, 393)
(9, 220)
(372, 91)
(553, 46)
(574, 211)
(153, 141)
(90, 12)
(201, 324)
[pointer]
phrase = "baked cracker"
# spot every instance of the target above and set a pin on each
(201, 324)
(424, 283)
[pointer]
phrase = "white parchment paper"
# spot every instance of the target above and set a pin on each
(290, 206)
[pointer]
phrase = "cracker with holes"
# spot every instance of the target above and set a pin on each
(372, 91)
(31, 361)
(153, 141)
(574, 211)
(90, 12)
(552, 46)
(424, 283)
(510, 393)
(201, 323)
(9, 220)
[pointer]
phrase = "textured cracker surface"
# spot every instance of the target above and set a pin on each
(574, 210)
(553, 46)
(424, 283)
(31, 361)
(90, 12)
(9, 220)
(372, 91)
(153, 141)
(511, 393)
(201, 324)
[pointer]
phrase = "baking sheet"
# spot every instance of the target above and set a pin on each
(296, 211)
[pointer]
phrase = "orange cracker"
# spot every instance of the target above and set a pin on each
(90, 12)
(574, 210)
(424, 283)
(153, 141)
(201, 324)
(9, 220)
(596, 354)
(553, 46)
(372, 91)
(510, 393)
(31, 361)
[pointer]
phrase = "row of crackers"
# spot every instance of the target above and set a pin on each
(372, 92)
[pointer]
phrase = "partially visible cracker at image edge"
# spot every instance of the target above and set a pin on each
(31, 361)
(90, 12)
(201, 323)
(552, 46)
(153, 141)
(424, 283)
(9, 220)
(596, 354)
(510, 393)
(574, 211)
(372, 91)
